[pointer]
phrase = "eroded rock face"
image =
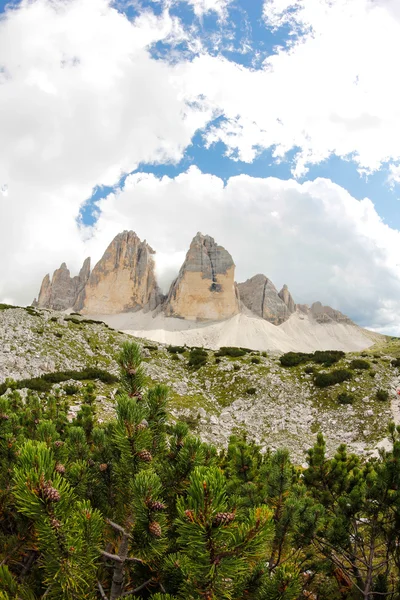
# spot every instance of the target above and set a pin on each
(261, 296)
(63, 291)
(325, 314)
(123, 279)
(205, 287)
(286, 297)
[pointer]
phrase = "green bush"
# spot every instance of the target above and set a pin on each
(359, 364)
(235, 367)
(251, 391)
(255, 360)
(309, 370)
(396, 363)
(53, 319)
(58, 334)
(292, 359)
(233, 352)
(327, 379)
(71, 389)
(151, 348)
(345, 398)
(264, 354)
(327, 357)
(197, 358)
(174, 357)
(45, 382)
(382, 395)
(176, 349)
(73, 320)
(372, 373)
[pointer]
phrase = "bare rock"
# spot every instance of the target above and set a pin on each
(63, 291)
(205, 287)
(260, 296)
(123, 279)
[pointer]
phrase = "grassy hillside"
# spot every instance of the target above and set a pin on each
(217, 394)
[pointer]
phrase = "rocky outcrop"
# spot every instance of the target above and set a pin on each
(324, 314)
(286, 297)
(63, 291)
(205, 287)
(123, 279)
(260, 296)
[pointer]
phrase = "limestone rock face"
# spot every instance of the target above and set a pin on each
(325, 314)
(63, 291)
(261, 296)
(205, 287)
(123, 279)
(286, 296)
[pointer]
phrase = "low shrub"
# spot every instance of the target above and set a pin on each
(382, 395)
(46, 381)
(337, 376)
(292, 359)
(174, 357)
(71, 390)
(235, 367)
(372, 373)
(321, 357)
(233, 352)
(345, 398)
(251, 391)
(309, 370)
(6, 306)
(151, 348)
(359, 364)
(73, 320)
(327, 357)
(197, 358)
(255, 360)
(264, 354)
(396, 363)
(58, 334)
(176, 349)
(217, 361)
(53, 319)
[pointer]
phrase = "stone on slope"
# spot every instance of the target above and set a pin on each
(260, 296)
(63, 291)
(123, 279)
(205, 287)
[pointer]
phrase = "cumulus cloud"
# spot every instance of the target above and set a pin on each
(330, 91)
(81, 102)
(315, 236)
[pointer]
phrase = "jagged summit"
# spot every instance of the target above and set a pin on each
(260, 296)
(63, 291)
(124, 281)
(205, 287)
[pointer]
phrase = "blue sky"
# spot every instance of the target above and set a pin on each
(243, 38)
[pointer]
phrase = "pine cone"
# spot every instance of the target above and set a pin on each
(4, 417)
(50, 493)
(60, 468)
(132, 372)
(156, 506)
(142, 425)
(180, 444)
(189, 514)
(155, 529)
(223, 518)
(103, 467)
(138, 395)
(90, 462)
(145, 455)
(58, 444)
(55, 523)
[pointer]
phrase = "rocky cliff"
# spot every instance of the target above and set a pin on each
(205, 287)
(324, 314)
(63, 291)
(260, 296)
(123, 279)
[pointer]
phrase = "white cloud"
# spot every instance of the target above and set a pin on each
(314, 236)
(202, 7)
(334, 90)
(81, 101)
